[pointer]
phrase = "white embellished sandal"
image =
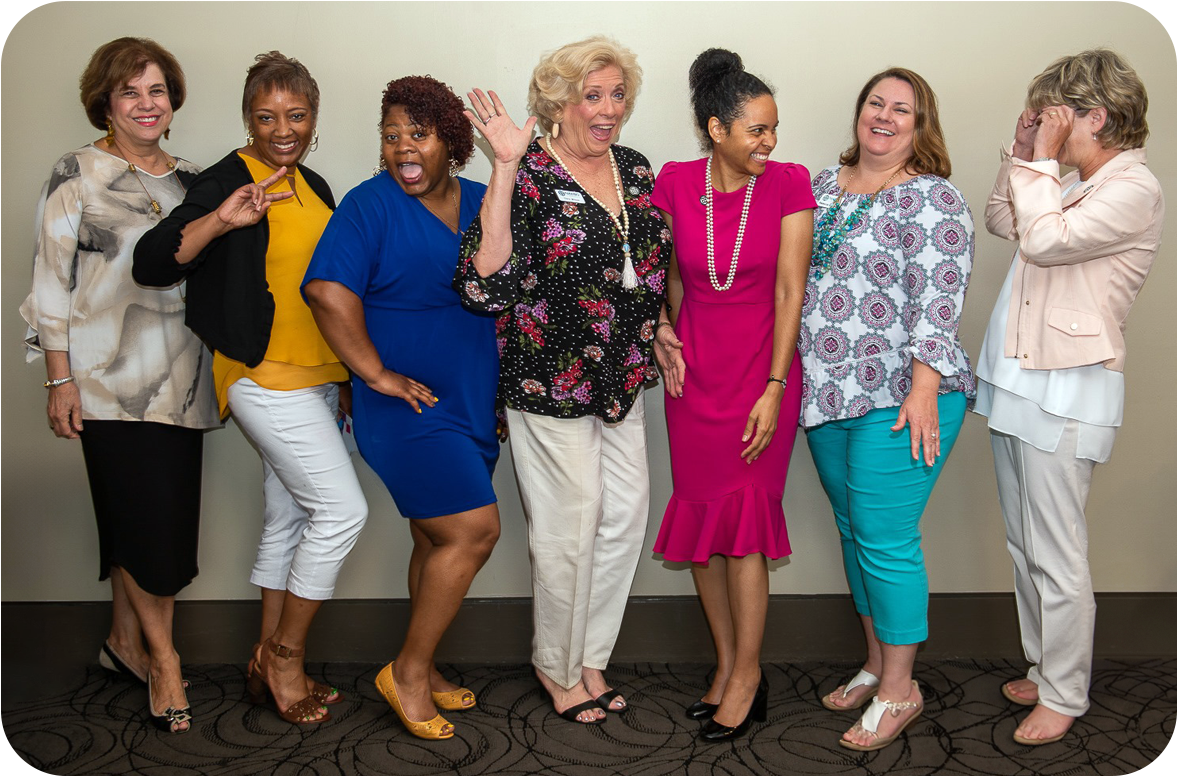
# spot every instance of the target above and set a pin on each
(869, 723)
(862, 678)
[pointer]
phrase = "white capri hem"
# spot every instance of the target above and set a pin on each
(314, 506)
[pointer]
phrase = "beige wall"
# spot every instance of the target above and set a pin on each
(978, 57)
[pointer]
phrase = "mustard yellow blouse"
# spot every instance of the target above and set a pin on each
(297, 356)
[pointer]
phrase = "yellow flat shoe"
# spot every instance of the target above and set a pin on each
(434, 729)
(458, 699)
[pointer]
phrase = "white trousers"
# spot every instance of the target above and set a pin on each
(1043, 496)
(315, 508)
(585, 486)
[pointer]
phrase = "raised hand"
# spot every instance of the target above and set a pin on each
(1025, 130)
(396, 385)
(1055, 123)
(489, 117)
(246, 206)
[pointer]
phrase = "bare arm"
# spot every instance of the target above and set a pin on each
(339, 313)
(667, 346)
(791, 276)
(509, 143)
(65, 401)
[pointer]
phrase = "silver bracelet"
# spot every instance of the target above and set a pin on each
(56, 382)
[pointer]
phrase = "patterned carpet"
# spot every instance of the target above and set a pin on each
(98, 728)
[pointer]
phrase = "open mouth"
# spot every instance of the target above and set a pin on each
(881, 131)
(760, 156)
(285, 147)
(411, 172)
(602, 132)
(147, 121)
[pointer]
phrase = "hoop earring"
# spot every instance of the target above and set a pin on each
(315, 139)
(109, 133)
(454, 168)
(556, 130)
(249, 137)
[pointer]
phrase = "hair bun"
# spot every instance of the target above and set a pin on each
(712, 65)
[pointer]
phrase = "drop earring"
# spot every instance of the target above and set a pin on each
(109, 133)
(454, 168)
(249, 137)
(167, 134)
(556, 130)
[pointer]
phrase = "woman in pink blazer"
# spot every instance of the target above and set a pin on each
(1050, 373)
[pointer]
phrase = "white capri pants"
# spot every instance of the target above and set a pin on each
(1043, 497)
(585, 486)
(315, 508)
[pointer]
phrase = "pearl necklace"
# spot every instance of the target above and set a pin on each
(629, 278)
(731, 271)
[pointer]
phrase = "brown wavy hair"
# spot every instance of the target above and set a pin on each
(929, 152)
(114, 64)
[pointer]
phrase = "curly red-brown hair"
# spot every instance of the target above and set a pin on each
(432, 105)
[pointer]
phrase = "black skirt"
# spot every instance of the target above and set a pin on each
(145, 482)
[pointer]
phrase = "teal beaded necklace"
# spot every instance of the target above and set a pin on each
(827, 237)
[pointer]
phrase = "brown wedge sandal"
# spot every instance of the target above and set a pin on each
(302, 712)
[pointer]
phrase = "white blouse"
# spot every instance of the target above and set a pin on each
(1034, 405)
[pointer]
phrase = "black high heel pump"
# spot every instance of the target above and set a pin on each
(715, 732)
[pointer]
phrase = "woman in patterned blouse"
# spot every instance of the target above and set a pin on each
(892, 251)
(572, 254)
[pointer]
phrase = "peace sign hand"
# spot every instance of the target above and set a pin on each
(246, 206)
(508, 141)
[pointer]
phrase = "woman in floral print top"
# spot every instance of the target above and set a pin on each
(569, 248)
(572, 340)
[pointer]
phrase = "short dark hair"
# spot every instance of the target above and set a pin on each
(929, 151)
(432, 104)
(114, 64)
(274, 70)
(720, 87)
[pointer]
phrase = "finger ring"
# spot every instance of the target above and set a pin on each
(1052, 113)
(935, 434)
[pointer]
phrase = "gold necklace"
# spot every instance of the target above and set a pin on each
(629, 277)
(155, 206)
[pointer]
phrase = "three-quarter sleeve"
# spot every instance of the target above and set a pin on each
(59, 216)
(500, 289)
(155, 254)
(938, 253)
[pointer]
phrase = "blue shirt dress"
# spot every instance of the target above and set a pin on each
(399, 259)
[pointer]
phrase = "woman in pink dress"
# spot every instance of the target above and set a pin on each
(742, 229)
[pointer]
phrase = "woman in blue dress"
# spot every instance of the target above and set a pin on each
(424, 371)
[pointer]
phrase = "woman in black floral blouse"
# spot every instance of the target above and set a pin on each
(572, 253)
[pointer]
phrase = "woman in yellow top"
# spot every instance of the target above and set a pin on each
(243, 238)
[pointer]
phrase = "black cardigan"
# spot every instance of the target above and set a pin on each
(229, 302)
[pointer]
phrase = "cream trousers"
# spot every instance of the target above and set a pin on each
(585, 486)
(1043, 496)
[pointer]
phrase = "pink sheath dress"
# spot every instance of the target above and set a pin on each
(720, 504)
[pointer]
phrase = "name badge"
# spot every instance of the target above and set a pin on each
(827, 199)
(569, 197)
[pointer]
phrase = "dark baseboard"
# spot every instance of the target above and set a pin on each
(656, 629)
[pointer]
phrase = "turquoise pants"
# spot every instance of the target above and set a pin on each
(878, 493)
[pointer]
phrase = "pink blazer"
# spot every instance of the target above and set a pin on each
(1081, 260)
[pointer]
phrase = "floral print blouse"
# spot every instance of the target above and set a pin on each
(894, 290)
(572, 341)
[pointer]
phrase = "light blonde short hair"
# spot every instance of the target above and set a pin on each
(559, 77)
(1097, 78)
